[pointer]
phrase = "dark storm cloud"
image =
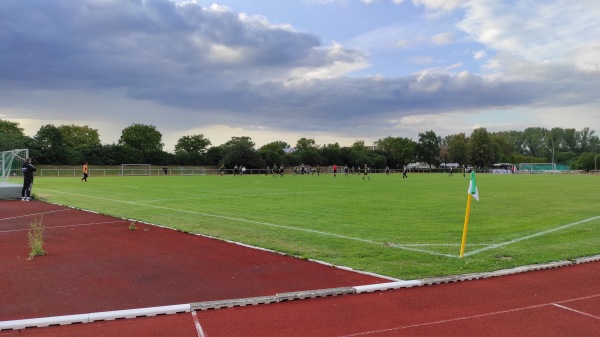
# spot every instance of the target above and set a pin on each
(230, 66)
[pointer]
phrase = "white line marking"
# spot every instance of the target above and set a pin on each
(468, 317)
(399, 246)
(577, 311)
(65, 226)
(34, 214)
(532, 235)
(271, 225)
(198, 326)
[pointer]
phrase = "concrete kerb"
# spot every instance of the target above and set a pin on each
(93, 317)
(282, 297)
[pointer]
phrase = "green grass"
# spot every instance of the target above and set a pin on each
(400, 228)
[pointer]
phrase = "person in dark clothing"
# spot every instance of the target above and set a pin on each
(27, 170)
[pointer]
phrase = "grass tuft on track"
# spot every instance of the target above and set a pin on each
(407, 229)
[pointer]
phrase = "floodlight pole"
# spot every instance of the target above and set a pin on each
(595, 169)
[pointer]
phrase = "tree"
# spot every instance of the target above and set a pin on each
(481, 148)
(399, 151)
(305, 144)
(141, 137)
(12, 136)
(428, 147)
(273, 153)
(457, 148)
(331, 154)
(192, 144)
(358, 145)
(534, 143)
(76, 136)
(50, 146)
(240, 151)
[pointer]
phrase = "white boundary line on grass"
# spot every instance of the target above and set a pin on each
(409, 247)
(270, 225)
(532, 235)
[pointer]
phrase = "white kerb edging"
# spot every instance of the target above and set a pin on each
(385, 286)
(92, 317)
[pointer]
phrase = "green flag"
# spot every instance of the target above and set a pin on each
(473, 187)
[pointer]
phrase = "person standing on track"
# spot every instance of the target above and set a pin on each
(27, 170)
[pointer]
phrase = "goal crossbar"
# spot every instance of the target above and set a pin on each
(135, 169)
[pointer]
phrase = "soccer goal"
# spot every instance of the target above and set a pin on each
(537, 168)
(11, 162)
(136, 169)
(192, 171)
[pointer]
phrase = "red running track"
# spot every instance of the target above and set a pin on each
(555, 302)
(95, 263)
(561, 302)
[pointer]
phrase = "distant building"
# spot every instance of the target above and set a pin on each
(449, 165)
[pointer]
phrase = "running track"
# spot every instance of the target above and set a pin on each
(116, 271)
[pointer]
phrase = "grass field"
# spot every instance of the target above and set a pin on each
(406, 229)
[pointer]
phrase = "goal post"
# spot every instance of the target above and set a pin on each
(538, 168)
(11, 162)
(192, 171)
(135, 169)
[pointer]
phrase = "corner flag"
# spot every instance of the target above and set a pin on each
(472, 192)
(473, 187)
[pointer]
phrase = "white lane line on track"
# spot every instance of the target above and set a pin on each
(65, 226)
(576, 311)
(198, 326)
(469, 317)
(35, 214)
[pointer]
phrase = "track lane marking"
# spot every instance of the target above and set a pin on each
(66, 226)
(576, 311)
(473, 316)
(198, 326)
(34, 214)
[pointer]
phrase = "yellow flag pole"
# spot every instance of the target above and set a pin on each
(466, 226)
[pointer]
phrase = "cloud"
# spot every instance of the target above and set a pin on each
(443, 38)
(182, 66)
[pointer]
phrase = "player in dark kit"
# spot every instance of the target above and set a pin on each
(27, 170)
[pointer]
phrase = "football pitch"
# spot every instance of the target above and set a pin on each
(402, 228)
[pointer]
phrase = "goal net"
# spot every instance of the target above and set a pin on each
(11, 162)
(541, 168)
(192, 171)
(135, 169)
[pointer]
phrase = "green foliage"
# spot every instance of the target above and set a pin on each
(481, 148)
(401, 228)
(76, 136)
(141, 137)
(192, 144)
(35, 237)
(428, 147)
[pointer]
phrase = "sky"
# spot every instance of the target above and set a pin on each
(336, 71)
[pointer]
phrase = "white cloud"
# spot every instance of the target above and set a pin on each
(183, 67)
(443, 38)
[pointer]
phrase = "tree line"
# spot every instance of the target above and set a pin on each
(142, 144)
